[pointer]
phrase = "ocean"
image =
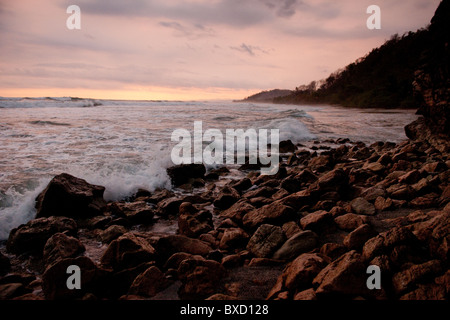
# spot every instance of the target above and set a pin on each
(126, 145)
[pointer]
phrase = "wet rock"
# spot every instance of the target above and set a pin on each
(226, 198)
(127, 251)
(61, 246)
(169, 206)
(5, 264)
(301, 242)
(237, 211)
(233, 238)
(286, 146)
(241, 185)
(149, 283)
(362, 206)
(171, 244)
(382, 204)
(181, 174)
(137, 212)
(111, 233)
(193, 223)
(10, 290)
(345, 276)
(266, 240)
(273, 213)
(200, 278)
(55, 277)
(69, 196)
(306, 295)
(31, 237)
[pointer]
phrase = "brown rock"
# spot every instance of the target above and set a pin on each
(61, 246)
(111, 233)
(233, 238)
(406, 279)
(350, 221)
(226, 198)
(266, 240)
(345, 276)
(299, 243)
(410, 177)
(169, 206)
(356, 239)
(171, 244)
(290, 228)
(332, 250)
(382, 204)
(316, 221)
(300, 273)
(238, 210)
(127, 251)
(192, 223)
(137, 212)
(308, 294)
(32, 236)
(149, 283)
(362, 206)
(372, 193)
(70, 196)
(10, 290)
(181, 174)
(200, 278)
(272, 213)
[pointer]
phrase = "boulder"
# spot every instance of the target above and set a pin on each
(344, 276)
(299, 243)
(55, 278)
(200, 278)
(356, 239)
(193, 223)
(127, 251)
(408, 278)
(169, 206)
(168, 245)
(182, 173)
(286, 146)
(233, 238)
(137, 212)
(362, 206)
(316, 221)
(111, 233)
(226, 198)
(274, 213)
(61, 246)
(69, 196)
(237, 211)
(350, 221)
(266, 240)
(149, 283)
(301, 272)
(31, 237)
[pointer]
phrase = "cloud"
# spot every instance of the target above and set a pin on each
(249, 49)
(192, 32)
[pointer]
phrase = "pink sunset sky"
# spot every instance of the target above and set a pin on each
(191, 49)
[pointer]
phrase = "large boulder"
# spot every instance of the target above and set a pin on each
(274, 213)
(149, 283)
(31, 237)
(182, 173)
(69, 196)
(344, 276)
(301, 242)
(200, 278)
(61, 246)
(171, 244)
(127, 251)
(266, 240)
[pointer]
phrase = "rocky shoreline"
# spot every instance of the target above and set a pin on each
(307, 233)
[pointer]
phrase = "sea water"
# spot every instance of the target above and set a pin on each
(126, 145)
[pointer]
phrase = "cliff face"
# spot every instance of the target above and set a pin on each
(432, 84)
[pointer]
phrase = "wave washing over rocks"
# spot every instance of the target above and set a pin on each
(307, 233)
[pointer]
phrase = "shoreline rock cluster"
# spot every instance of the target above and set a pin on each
(307, 233)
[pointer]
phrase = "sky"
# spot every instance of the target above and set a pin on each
(188, 49)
